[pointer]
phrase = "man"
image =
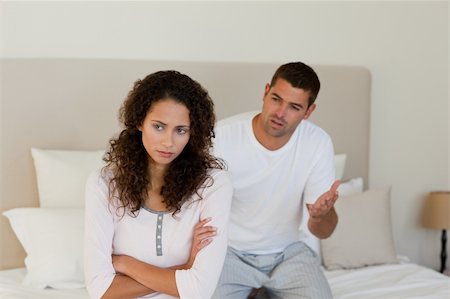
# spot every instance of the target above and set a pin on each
(280, 163)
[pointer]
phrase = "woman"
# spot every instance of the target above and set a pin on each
(156, 214)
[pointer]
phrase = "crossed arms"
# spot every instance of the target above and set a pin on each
(112, 276)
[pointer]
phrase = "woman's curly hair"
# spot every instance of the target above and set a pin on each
(127, 159)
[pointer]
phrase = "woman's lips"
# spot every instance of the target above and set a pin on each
(165, 154)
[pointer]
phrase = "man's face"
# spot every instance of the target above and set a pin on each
(284, 107)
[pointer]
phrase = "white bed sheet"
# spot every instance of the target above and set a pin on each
(399, 281)
(389, 282)
(11, 288)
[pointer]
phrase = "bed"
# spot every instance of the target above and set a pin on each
(58, 114)
(405, 280)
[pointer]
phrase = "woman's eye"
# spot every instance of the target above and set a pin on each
(181, 131)
(158, 127)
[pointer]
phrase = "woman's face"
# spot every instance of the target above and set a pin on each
(165, 131)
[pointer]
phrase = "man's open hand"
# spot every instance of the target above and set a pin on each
(324, 203)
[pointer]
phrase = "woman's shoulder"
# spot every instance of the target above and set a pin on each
(98, 187)
(219, 174)
(217, 189)
(100, 177)
(218, 179)
(99, 182)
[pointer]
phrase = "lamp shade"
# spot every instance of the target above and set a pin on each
(436, 213)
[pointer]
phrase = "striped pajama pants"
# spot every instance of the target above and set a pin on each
(293, 273)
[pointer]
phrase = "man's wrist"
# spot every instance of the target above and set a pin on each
(318, 219)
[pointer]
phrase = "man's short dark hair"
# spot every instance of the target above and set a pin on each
(299, 75)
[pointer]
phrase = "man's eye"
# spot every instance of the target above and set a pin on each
(296, 108)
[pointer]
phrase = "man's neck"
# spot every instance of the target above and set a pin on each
(271, 143)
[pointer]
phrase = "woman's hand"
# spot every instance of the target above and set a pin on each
(202, 237)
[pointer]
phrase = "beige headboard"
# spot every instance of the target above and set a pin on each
(73, 103)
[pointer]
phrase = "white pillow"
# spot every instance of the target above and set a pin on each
(363, 236)
(53, 241)
(351, 186)
(61, 175)
(345, 188)
(339, 165)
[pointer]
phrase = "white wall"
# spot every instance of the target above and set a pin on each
(404, 44)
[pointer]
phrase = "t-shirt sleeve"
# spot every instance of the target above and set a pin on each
(200, 281)
(320, 180)
(99, 231)
(322, 173)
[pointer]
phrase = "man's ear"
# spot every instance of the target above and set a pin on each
(310, 110)
(266, 89)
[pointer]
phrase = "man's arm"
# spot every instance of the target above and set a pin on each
(323, 217)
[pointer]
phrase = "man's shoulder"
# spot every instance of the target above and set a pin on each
(236, 120)
(232, 130)
(310, 129)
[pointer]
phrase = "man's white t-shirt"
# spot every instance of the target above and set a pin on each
(271, 187)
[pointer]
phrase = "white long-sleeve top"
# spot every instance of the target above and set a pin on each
(271, 188)
(156, 238)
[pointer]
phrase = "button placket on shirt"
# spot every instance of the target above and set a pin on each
(159, 234)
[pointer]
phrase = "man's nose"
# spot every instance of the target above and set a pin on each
(281, 111)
